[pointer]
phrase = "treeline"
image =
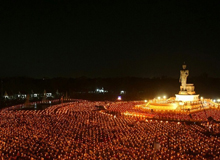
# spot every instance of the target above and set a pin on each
(135, 88)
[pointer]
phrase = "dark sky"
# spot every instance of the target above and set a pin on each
(109, 38)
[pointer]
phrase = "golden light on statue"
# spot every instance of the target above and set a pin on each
(183, 101)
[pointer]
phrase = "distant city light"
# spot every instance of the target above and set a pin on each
(218, 100)
(119, 98)
(145, 100)
(164, 97)
(101, 90)
(122, 92)
(214, 100)
(201, 98)
(158, 98)
(48, 94)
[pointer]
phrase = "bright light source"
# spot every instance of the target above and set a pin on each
(158, 98)
(201, 98)
(214, 100)
(186, 97)
(101, 90)
(164, 97)
(145, 100)
(119, 98)
(218, 100)
(122, 92)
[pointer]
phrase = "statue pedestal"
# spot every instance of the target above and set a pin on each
(189, 90)
(187, 97)
(183, 93)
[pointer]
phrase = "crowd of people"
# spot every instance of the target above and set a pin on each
(76, 130)
(201, 115)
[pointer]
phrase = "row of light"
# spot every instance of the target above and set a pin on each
(164, 97)
(218, 100)
(160, 121)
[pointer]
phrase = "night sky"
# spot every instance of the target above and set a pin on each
(109, 38)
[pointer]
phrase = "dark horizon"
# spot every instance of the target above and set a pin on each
(136, 88)
(204, 74)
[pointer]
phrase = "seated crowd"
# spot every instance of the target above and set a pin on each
(75, 130)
